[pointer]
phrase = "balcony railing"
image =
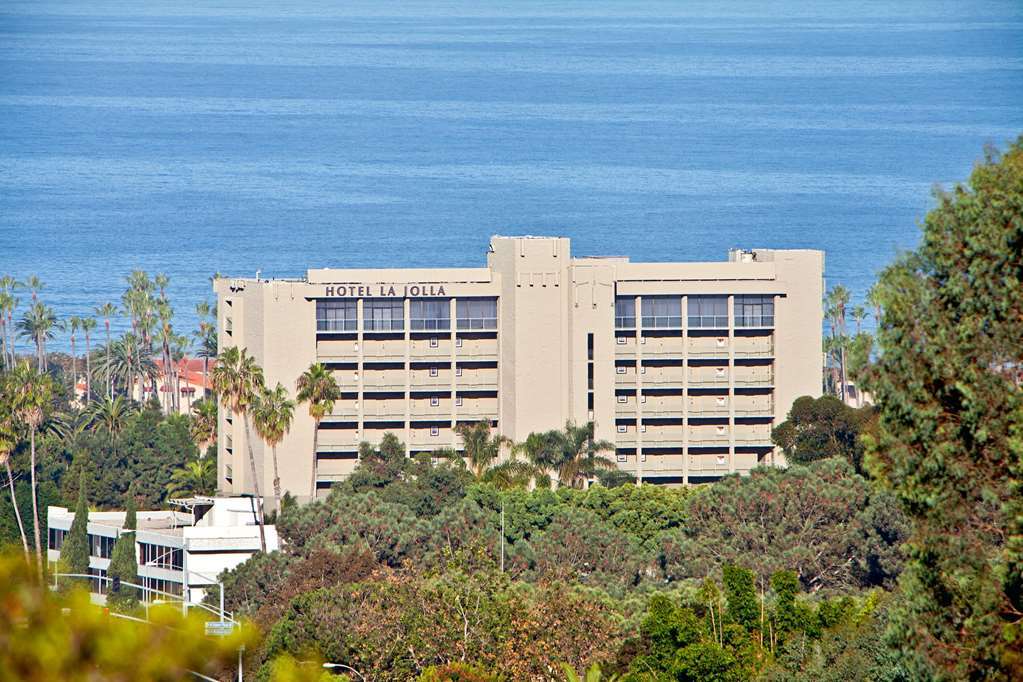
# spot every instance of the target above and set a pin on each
(662, 322)
(335, 325)
(477, 323)
(384, 325)
(625, 322)
(754, 320)
(430, 324)
(708, 321)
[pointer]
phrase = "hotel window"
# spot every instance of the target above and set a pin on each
(430, 314)
(458, 401)
(458, 343)
(101, 546)
(754, 311)
(161, 556)
(383, 315)
(434, 401)
(477, 313)
(708, 311)
(621, 340)
(458, 371)
(642, 428)
(623, 398)
(56, 538)
(662, 312)
(620, 370)
(622, 428)
(434, 430)
(434, 371)
(625, 312)
(336, 316)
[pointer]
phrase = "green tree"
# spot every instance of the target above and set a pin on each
(837, 304)
(272, 412)
(318, 387)
(203, 428)
(74, 553)
(581, 458)
(481, 448)
(106, 311)
(237, 379)
(31, 396)
(741, 596)
(817, 428)
(8, 441)
(195, 477)
(38, 325)
(124, 565)
(111, 415)
(947, 382)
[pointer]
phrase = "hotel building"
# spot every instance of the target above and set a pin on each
(684, 366)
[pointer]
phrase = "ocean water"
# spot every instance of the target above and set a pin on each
(197, 137)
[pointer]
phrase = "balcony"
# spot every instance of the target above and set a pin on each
(628, 379)
(708, 381)
(476, 413)
(383, 383)
(658, 436)
(477, 353)
(478, 383)
(663, 380)
(628, 408)
(754, 410)
(699, 411)
(442, 351)
(390, 411)
(662, 410)
(343, 411)
(662, 322)
(431, 412)
(331, 441)
(428, 383)
(708, 321)
(754, 380)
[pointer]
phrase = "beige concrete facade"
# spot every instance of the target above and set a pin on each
(684, 366)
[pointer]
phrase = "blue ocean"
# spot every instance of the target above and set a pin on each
(233, 136)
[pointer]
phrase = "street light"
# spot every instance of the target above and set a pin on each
(344, 667)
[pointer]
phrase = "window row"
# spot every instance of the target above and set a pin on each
(388, 314)
(665, 312)
(161, 557)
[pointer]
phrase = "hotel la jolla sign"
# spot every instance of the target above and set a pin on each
(383, 290)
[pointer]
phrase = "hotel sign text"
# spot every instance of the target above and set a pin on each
(385, 290)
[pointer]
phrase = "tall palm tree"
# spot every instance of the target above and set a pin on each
(8, 303)
(837, 303)
(318, 387)
(237, 379)
(272, 413)
(544, 451)
(480, 447)
(195, 477)
(203, 428)
(38, 325)
(166, 332)
(74, 324)
(106, 311)
(88, 324)
(31, 395)
(206, 337)
(8, 441)
(111, 415)
(581, 455)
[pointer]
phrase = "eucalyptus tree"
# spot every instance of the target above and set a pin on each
(8, 441)
(106, 311)
(88, 324)
(272, 414)
(38, 325)
(31, 396)
(237, 379)
(318, 387)
(203, 425)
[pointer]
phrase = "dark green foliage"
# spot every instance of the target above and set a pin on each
(123, 560)
(822, 520)
(741, 597)
(950, 433)
(818, 428)
(705, 662)
(74, 553)
(787, 618)
(577, 546)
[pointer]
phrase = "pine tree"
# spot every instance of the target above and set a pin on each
(124, 562)
(74, 553)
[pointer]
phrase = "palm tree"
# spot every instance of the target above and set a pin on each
(31, 394)
(106, 311)
(8, 441)
(35, 285)
(37, 325)
(88, 324)
(206, 336)
(111, 414)
(203, 429)
(514, 474)
(166, 331)
(481, 449)
(544, 451)
(8, 303)
(837, 302)
(237, 379)
(582, 456)
(74, 324)
(195, 477)
(320, 389)
(272, 413)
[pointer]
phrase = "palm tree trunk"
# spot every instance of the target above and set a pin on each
(3, 337)
(88, 370)
(74, 371)
(17, 512)
(277, 481)
(255, 482)
(316, 438)
(110, 386)
(35, 505)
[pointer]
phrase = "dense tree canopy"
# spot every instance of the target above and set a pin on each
(947, 381)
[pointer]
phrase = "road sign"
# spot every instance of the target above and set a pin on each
(219, 628)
